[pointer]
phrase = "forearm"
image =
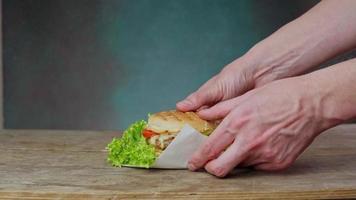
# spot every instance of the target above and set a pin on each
(326, 30)
(334, 91)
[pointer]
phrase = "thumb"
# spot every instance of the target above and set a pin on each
(195, 101)
(220, 110)
(206, 95)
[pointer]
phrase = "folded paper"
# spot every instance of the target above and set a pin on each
(179, 151)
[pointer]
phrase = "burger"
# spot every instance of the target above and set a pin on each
(143, 142)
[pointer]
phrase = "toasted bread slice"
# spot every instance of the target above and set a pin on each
(173, 121)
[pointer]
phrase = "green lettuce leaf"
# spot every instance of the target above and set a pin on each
(132, 148)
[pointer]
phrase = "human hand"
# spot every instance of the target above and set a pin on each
(235, 79)
(287, 52)
(267, 128)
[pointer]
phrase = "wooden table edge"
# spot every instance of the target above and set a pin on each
(323, 194)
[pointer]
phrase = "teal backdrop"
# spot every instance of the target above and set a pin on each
(103, 64)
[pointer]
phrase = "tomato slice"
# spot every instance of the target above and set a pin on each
(148, 133)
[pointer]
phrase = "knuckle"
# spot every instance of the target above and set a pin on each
(232, 126)
(237, 119)
(226, 70)
(216, 78)
(230, 133)
(195, 159)
(193, 97)
(197, 95)
(209, 151)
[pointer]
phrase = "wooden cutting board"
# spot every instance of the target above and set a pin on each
(45, 164)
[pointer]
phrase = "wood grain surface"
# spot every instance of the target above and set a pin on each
(1, 73)
(45, 164)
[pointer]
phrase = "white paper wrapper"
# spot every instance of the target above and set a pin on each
(178, 152)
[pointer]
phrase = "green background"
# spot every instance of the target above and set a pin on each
(89, 64)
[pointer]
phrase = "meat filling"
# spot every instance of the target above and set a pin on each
(161, 141)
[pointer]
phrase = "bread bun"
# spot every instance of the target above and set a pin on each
(173, 121)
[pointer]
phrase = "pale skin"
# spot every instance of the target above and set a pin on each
(270, 112)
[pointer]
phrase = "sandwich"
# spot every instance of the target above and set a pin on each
(143, 142)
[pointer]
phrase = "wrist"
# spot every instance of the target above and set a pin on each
(332, 91)
(321, 97)
(270, 61)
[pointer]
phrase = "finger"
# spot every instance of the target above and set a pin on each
(206, 95)
(192, 102)
(227, 161)
(220, 110)
(218, 141)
